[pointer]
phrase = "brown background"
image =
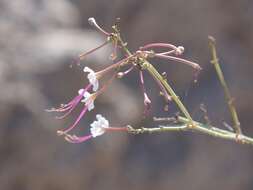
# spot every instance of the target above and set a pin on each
(38, 40)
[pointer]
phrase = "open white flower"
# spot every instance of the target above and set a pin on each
(92, 78)
(99, 127)
(89, 102)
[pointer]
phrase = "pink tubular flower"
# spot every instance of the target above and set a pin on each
(180, 60)
(172, 49)
(93, 22)
(98, 128)
(89, 105)
(69, 107)
(147, 101)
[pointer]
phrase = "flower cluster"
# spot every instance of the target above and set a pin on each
(89, 93)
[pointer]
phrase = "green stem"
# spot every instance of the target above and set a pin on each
(228, 97)
(199, 127)
(187, 123)
(152, 70)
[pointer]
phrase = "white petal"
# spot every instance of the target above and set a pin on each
(86, 95)
(88, 102)
(90, 105)
(92, 78)
(97, 131)
(99, 116)
(98, 127)
(87, 70)
(80, 91)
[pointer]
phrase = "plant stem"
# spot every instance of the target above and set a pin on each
(228, 97)
(199, 127)
(152, 70)
(187, 123)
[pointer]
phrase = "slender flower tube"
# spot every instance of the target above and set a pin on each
(89, 105)
(93, 22)
(147, 101)
(122, 74)
(62, 132)
(177, 50)
(98, 128)
(69, 107)
(93, 76)
(190, 63)
(88, 99)
(81, 56)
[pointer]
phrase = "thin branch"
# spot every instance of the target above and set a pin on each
(229, 99)
(185, 123)
(156, 129)
(152, 70)
(198, 127)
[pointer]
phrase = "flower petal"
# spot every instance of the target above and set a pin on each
(89, 102)
(92, 78)
(99, 127)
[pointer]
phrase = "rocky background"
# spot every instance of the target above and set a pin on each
(38, 41)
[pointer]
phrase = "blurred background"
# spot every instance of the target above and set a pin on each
(38, 41)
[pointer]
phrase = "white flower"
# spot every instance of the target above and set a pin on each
(99, 127)
(180, 50)
(92, 78)
(89, 102)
